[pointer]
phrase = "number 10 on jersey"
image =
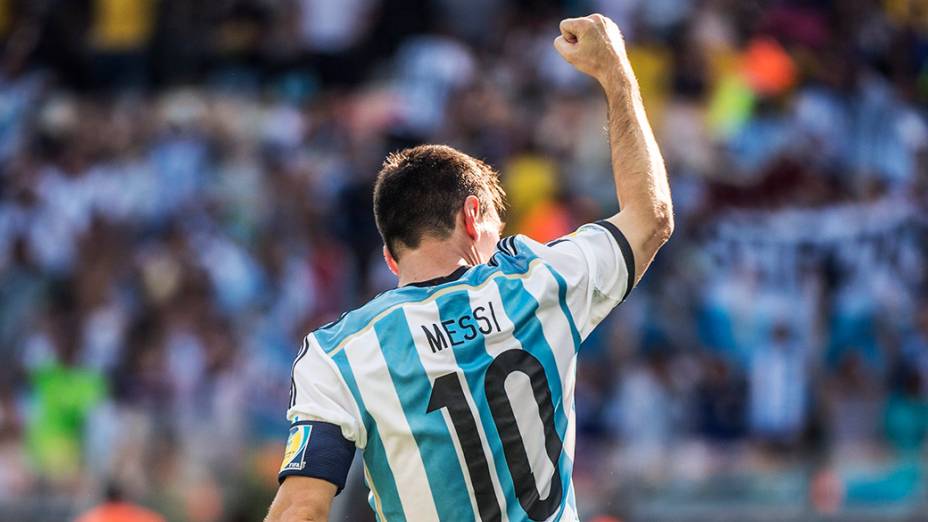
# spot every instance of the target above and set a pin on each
(448, 392)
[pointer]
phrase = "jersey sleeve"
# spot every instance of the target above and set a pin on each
(598, 267)
(325, 425)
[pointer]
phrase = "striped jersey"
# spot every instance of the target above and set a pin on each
(460, 391)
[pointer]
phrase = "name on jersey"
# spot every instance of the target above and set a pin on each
(455, 332)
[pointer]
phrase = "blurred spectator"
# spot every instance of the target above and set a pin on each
(906, 417)
(721, 403)
(854, 402)
(65, 394)
(120, 31)
(779, 386)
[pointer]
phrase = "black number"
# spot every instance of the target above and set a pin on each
(505, 419)
(448, 393)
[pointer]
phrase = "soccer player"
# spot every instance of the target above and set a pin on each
(458, 386)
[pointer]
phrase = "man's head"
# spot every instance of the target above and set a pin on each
(436, 193)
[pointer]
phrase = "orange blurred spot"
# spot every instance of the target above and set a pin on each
(546, 221)
(767, 67)
(119, 512)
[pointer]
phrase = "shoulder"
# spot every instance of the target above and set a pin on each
(602, 232)
(600, 244)
(520, 251)
(515, 252)
(330, 335)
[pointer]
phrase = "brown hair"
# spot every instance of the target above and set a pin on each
(420, 190)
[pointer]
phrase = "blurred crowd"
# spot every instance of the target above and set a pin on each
(185, 191)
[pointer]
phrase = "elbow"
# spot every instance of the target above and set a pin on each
(662, 223)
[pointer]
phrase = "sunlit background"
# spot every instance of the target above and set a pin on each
(185, 191)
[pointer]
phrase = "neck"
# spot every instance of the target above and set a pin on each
(433, 259)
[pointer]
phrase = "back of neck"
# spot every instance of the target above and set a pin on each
(431, 260)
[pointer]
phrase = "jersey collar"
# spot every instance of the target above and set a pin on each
(458, 272)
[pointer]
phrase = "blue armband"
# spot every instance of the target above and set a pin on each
(317, 450)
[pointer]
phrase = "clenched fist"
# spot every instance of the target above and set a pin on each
(594, 45)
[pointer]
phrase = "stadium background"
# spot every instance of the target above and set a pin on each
(186, 187)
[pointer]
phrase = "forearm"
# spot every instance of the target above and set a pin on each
(289, 510)
(294, 514)
(594, 45)
(637, 165)
(302, 499)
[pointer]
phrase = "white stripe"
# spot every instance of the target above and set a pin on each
(496, 342)
(528, 419)
(543, 287)
(441, 363)
(570, 509)
(570, 438)
(355, 429)
(519, 390)
(384, 406)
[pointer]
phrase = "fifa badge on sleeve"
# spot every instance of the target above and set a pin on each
(296, 448)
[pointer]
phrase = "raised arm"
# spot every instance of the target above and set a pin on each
(594, 45)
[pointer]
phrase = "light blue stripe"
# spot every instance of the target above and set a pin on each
(529, 255)
(473, 359)
(562, 299)
(375, 455)
(446, 479)
(521, 307)
(571, 499)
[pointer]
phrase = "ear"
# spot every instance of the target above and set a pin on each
(391, 263)
(471, 214)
